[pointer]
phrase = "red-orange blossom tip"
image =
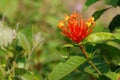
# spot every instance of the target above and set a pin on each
(76, 28)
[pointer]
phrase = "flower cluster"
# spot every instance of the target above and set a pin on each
(76, 28)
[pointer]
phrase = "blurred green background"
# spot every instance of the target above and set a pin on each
(42, 16)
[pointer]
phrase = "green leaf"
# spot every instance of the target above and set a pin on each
(67, 46)
(20, 71)
(112, 75)
(110, 54)
(117, 36)
(32, 76)
(112, 2)
(89, 2)
(98, 13)
(103, 77)
(114, 44)
(24, 41)
(115, 23)
(64, 68)
(118, 3)
(27, 31)
(99, 37)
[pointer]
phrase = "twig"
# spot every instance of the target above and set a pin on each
(89, 61)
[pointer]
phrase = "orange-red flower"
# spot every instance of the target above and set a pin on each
(75, 28)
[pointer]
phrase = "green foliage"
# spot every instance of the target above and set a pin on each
(115, 23)
(99, 37)
(24, 42)
(117, 35)
(34, 51)
(89, 2)
(31, 76)
(110, 56)
(101, 65)
(112, 75)
(27, 31)
(118, 3)
(97, 14)
(20, 71)
(63, 69)
(113, 2)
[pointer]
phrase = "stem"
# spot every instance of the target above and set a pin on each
(89, 61)
(30, 54)
(28, 59)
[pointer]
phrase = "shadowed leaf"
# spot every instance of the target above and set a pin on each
(98, 13)
(113, 2)
(89, 2)
(20, 71)
(115, 23)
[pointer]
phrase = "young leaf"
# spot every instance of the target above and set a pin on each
(98, 13)
(63, 69)
(24, 42)
(115, 23)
